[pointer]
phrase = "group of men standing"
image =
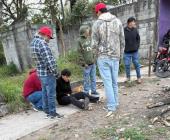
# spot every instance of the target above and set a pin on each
(104, 43)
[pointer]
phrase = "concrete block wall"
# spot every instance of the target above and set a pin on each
(16, 44)
(145, 11)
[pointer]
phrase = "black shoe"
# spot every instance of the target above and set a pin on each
(86, 103)
(56, 115)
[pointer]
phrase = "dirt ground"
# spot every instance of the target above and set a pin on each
(129, 122)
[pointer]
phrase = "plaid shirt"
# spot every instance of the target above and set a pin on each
(43, 58)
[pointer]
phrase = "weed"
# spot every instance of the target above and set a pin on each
(133, 134)
(104, 133)
(8, 70)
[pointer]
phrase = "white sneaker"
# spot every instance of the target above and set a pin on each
(36, 110)
(109, 114)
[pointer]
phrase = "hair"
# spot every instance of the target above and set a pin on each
(103, 10)
(66, 72)
(131, 19)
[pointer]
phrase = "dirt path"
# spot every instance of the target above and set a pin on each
(129, 121)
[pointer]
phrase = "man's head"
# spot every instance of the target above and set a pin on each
(131, 22)
(85, 31)
(100, 8)
(65, 74)
(168, 33)
(46, 33)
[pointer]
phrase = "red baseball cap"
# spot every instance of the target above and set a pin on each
(99, 6)
(46, 31)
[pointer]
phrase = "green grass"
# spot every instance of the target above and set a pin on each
(11, 82)
(133, 134)
(104, 133)
(129, 133)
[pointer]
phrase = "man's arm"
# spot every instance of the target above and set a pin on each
(138, 39)
(95, 38)
(49, 59)
(122, 40)
(81, 60)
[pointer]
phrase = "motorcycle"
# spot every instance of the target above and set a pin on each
(163, 63)
(160, 55)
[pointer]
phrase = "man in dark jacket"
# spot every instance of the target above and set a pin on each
(132, 43)
(64, 92)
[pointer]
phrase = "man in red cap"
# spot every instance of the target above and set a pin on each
(108, 44)
(46, 69)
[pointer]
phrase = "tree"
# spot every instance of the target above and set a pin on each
(52, 10)
(2, 57)
(14, 11)
(80, 9)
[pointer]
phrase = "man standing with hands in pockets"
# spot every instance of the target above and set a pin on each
(108, 43)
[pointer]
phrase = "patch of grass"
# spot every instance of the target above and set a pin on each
(8, 70)
(129, 133)
(104, 133)
(121, 68)
(133, 134)
(161, 130)
(11, 89)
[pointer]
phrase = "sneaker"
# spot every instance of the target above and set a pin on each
(128, 81)
(109, 114)
(36, 110)
(86, 103)
(105, 108)
(33, 107)
(95, 94)
(47, 116)
(55, 115)
(139, 81)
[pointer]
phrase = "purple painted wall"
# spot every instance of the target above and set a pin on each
(164, 18)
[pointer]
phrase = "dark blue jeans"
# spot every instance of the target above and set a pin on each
(36, 99)
(134, 57)
(49, 94)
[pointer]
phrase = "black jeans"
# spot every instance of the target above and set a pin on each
(74, 99)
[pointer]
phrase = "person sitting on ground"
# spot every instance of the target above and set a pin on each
(65, 95)
(32, 91)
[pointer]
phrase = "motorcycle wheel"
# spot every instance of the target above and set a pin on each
(162, 69)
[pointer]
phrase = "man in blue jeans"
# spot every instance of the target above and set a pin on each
(108, 44)
(87, 60)
(46, 69)
(132, 43)
(32, 90)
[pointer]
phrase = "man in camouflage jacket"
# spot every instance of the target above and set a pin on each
(108, 44)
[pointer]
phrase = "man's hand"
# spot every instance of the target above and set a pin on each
(86, 66)
(120, 61)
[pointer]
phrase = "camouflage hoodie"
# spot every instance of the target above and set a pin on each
(85, 52)
(108, 36)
